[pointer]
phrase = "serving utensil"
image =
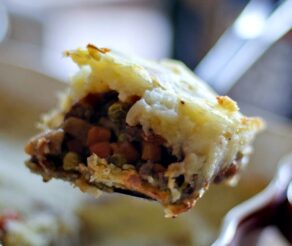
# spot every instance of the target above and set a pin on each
(258, 27)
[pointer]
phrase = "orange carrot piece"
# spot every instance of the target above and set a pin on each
(98, 134)
(102, 149)
(151, 151)
(127, 150)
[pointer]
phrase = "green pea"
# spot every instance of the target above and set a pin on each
(71, 160)
(117, 112)
(118, 160)
(121, 137)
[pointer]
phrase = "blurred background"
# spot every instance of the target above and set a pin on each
(241, 48)
(258, 59)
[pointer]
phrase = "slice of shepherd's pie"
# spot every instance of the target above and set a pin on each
(148, 129)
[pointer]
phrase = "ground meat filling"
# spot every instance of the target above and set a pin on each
(97, 125)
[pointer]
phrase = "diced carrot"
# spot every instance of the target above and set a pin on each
(102, 149)
(98, 134)
(127, 150)
(151, 151)
(115, 148)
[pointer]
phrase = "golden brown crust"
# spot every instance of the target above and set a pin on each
(125, 179)
(227, 103)
(101, 50)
